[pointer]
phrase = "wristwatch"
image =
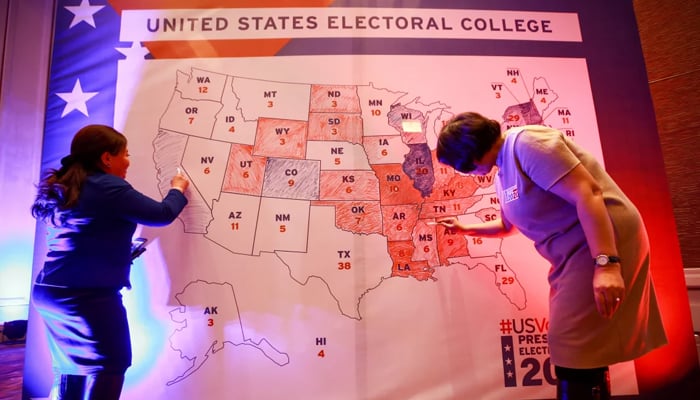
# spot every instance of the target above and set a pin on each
(604, 259)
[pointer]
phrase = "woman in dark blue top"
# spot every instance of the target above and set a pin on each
(93, 213)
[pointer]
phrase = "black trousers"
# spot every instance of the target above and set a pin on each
(91, 387)
(583, 384)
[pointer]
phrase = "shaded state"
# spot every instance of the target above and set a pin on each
(335, 127)
(399, 220)
(395, 186)
(484, 181)
(292, 179)
(450, 245)
(349, 185)
(522, 114)
(169, 151)
(334, 98)
(418, 165)
(244, 171)
(450, 185)
(280, 138)
(445, 208)
(404, 265)
(355, 216)
(425, 241)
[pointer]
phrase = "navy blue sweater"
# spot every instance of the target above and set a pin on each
(93, 248)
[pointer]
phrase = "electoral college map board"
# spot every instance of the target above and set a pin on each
(306, 261)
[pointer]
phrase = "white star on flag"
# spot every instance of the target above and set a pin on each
(83, 13)
(76, 99)
(136, 51)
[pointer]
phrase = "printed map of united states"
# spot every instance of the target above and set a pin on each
(338, 181)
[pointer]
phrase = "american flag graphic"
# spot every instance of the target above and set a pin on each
(507, 354)
(87, 49)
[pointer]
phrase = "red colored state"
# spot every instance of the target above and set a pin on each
(282, 138)
(349, 185)
(334, 99)
(449, 185)
(399, 221)
(335, 127)
(425, 241)
(446, 208)
(401, 253)
(450, 245)
(244, 171)
(395, 187)
(356, 216)
(484, 181)
(442, 173)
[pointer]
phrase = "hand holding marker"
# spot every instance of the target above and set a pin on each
(179, 181)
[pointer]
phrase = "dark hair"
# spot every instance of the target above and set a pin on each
(59, 188)
(466, 137)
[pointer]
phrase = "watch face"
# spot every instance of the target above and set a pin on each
(602, 259)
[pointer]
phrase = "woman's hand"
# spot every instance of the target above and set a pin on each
(493, 228)
(608, 288)
(179, 182)
(448, 222)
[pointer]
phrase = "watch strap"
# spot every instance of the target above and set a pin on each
(610, 259)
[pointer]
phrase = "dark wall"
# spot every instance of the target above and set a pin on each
(670, 36)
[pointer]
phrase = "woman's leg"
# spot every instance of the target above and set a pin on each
(68, 387)
(583, 384)
(88, 333)
(104, 386)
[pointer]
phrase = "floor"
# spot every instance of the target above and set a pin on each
(11, 367)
